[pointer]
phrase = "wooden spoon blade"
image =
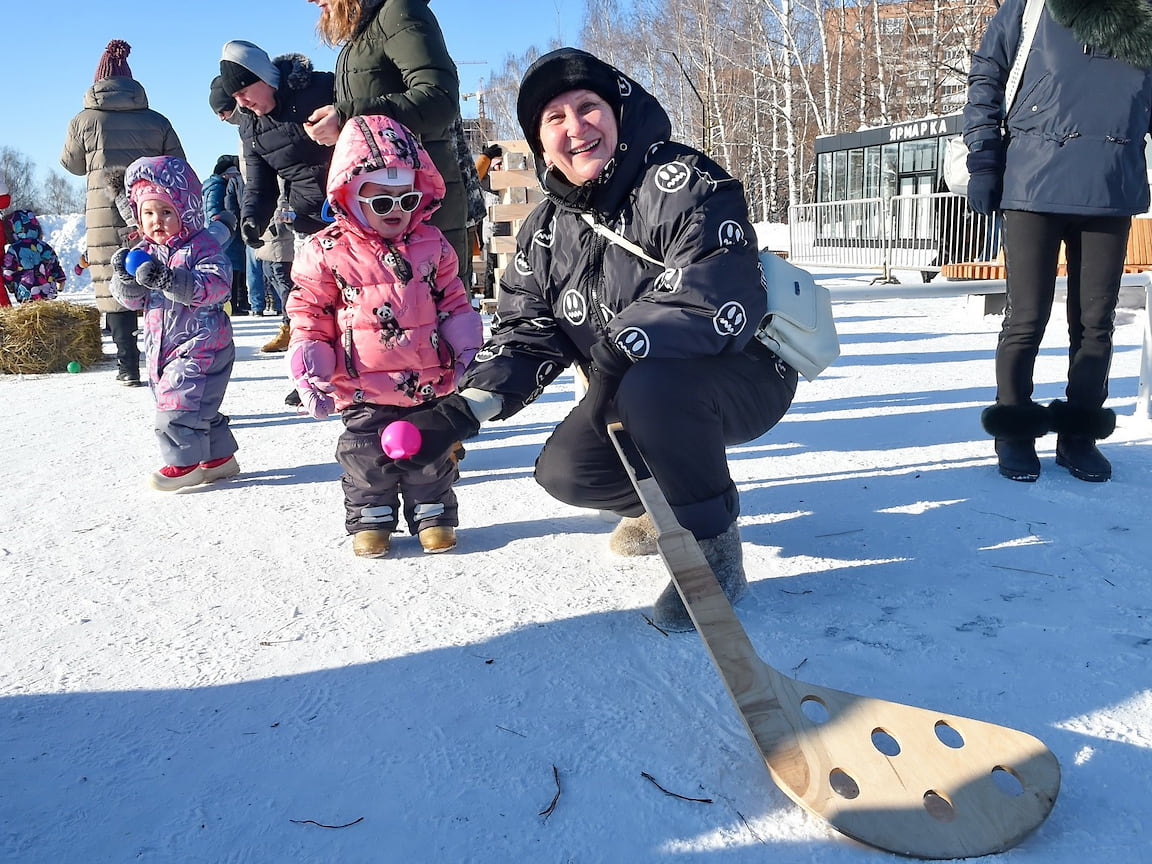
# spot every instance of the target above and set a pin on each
(905, 779)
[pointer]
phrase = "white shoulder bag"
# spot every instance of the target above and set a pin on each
(799, 327)
(955, 150)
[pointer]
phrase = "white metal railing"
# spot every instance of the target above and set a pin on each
(903, 232)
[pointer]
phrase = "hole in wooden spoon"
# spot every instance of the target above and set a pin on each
(814, 709)
(939, 807)
(1007, 781)
(883, 741)
(948, 736)
(843, 784)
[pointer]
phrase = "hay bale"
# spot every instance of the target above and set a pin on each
(45, 335)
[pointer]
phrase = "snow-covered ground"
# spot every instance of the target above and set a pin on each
(205, 676)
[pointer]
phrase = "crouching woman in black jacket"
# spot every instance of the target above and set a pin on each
(666, 340)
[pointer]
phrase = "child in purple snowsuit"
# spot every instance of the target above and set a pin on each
(182, 288)
(31, 269)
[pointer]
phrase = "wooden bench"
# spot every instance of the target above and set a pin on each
(1137, 258)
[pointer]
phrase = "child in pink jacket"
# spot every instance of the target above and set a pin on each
(382, 324)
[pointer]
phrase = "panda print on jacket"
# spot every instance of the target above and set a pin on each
(395, 311)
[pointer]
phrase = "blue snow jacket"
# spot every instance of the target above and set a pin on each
(224, 192)
(1075, 133)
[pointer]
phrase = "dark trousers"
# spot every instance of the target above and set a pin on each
(278, 277)
(240, 291)
(681, 414)
(1094, 249)
(123, 327)
(372, 492)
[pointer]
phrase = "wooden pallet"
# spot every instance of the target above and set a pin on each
(515, 182)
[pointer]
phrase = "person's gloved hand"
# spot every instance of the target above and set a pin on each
(120, 266)
(251, 232)
(227, 218)
(493, 151)
(986, 179)
(222, 227)
(609, 364)
(124, 283)
(441, 426)
(311, 365)
(154, 275)
(179, 285)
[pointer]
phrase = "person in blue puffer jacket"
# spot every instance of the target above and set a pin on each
(1065, 166)
(223, 192)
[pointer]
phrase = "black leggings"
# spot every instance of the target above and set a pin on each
(1095, 248)
(681, 414)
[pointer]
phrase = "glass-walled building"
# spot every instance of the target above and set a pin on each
(875, 190)
(901, 159)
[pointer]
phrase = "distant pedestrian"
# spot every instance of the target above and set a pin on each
(223, 193)
(115, 128)
(275, 259)
(1066, 166)
(31, 270)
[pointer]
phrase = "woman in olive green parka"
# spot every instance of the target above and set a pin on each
(394, 62)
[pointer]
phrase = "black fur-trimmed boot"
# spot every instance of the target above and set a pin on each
(1016, 428)
(1078, 430)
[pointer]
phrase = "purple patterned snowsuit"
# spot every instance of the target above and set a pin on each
(188, 348)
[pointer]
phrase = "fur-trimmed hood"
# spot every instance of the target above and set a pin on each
(1123, 28)
(295, 70)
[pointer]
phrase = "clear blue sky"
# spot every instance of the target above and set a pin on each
(52, 49)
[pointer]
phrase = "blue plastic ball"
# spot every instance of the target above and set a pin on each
(135, 258)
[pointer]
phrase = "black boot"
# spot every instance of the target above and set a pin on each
(1016, 428)
(1079, 429)
(1079, 454)
(1017, 459)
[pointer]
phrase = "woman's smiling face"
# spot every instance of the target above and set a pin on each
(578, 134)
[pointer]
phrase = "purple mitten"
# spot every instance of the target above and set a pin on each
(310, 365)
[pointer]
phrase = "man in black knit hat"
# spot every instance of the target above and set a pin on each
(274, 97)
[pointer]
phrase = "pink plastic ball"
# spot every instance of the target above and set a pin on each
(400, 439)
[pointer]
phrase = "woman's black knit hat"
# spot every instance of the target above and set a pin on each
(558, 72)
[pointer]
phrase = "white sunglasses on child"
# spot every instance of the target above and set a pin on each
(382, 205)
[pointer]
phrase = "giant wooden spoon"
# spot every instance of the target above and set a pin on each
(908, 780)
